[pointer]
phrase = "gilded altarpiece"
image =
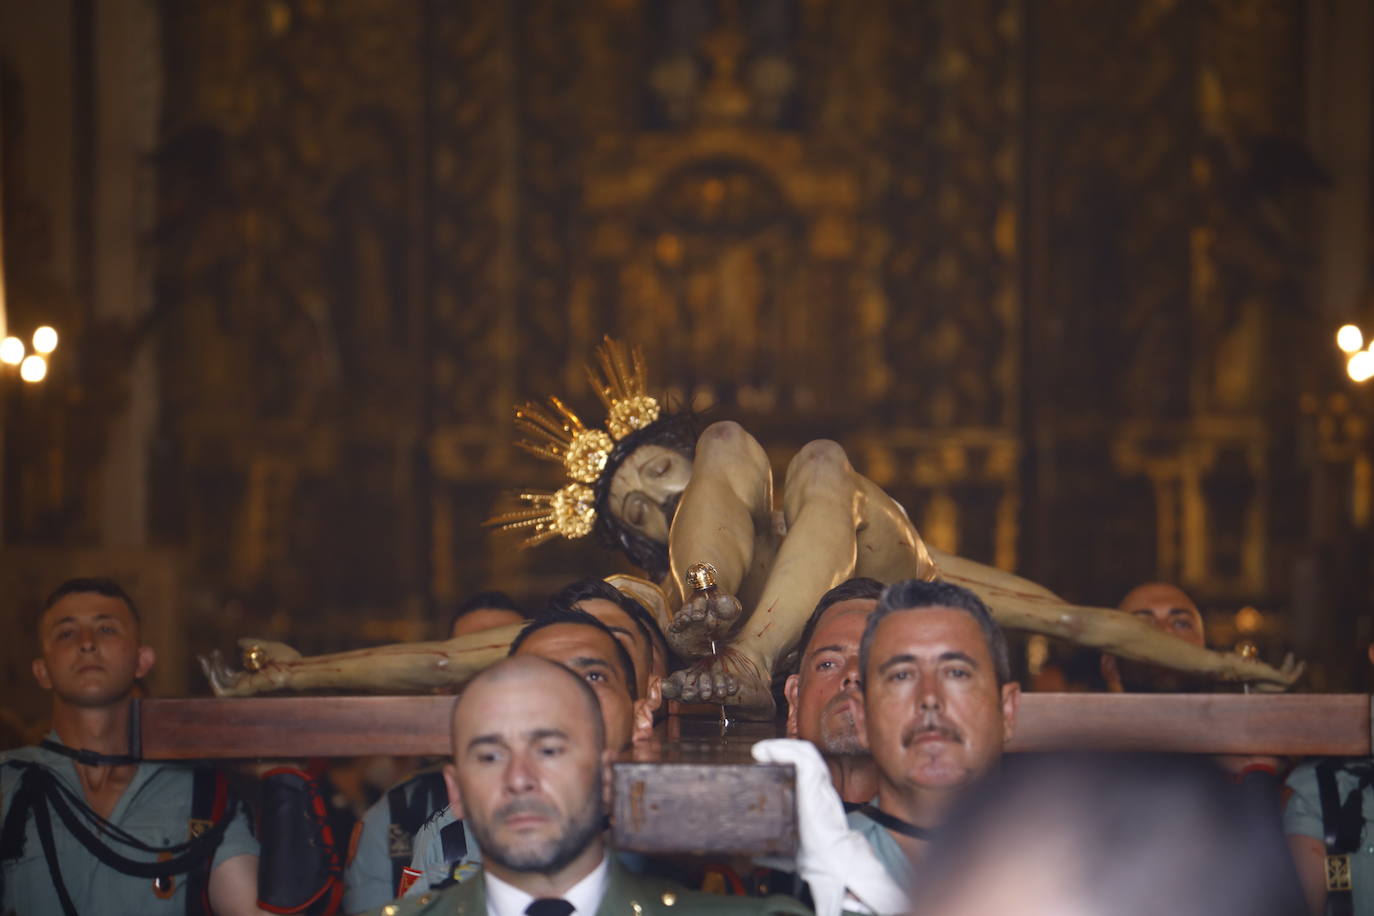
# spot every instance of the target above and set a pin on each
(1167, 182)
(291, 309)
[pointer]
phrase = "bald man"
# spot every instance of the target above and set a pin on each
(1168, 609)
(531, 777)
(590, 649)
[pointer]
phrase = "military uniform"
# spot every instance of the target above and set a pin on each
(387, 835)
(1303, 816)
(884, 846)
(436, 865)
(627, 894)
(154, 809)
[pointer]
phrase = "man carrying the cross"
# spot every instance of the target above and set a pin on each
(86, 828)
(84, 824)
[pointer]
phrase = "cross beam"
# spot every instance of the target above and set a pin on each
(1282, 724)
(698, 791)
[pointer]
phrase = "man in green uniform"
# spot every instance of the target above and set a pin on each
(530, 777)
(125, 815)
(580, 643)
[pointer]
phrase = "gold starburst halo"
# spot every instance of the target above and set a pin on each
(631, 414)
(623, 387)
(557, 433)
(568, 512)
(560, 435)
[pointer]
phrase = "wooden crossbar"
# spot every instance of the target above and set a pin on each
(697, 789)
(1299, 725)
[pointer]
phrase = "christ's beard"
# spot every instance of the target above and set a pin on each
(669, 506)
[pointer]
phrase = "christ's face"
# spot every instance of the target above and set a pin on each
(646, 487)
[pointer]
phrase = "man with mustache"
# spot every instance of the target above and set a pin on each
(823, 693)
(939, 704)
(530, 776)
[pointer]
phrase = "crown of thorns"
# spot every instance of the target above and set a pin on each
(557, 434)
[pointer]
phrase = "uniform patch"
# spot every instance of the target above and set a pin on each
(408, 878)
(1338, 873)
(399, 844)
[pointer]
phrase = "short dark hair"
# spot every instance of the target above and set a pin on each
(912, 594)
(87, 585)
(482, 601)
(592, 587)
(676, 430)
(849, 590)
(579, 618)
(501, 669)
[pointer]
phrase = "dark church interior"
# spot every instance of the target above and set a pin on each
(1085, 287)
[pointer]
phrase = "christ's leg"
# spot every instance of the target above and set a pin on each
(726, 505)
(821, 503)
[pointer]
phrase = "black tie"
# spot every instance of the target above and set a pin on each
(549, 906)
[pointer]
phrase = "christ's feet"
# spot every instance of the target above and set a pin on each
(700, 626)
(730, 679)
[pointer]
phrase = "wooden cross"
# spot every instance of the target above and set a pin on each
(698, 791)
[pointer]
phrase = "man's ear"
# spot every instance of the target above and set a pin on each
(1111, 673)
(455, 798)
(40, 674)
(644, 720)
(146, 659)
(789, 690)
(1011, 702)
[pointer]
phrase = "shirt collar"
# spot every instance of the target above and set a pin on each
(504, 899)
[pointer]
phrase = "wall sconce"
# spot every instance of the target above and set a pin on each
(33, 367)
(1359, 364)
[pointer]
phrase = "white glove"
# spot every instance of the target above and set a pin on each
(831, 858)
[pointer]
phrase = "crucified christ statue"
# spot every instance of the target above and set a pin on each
(670, 499)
